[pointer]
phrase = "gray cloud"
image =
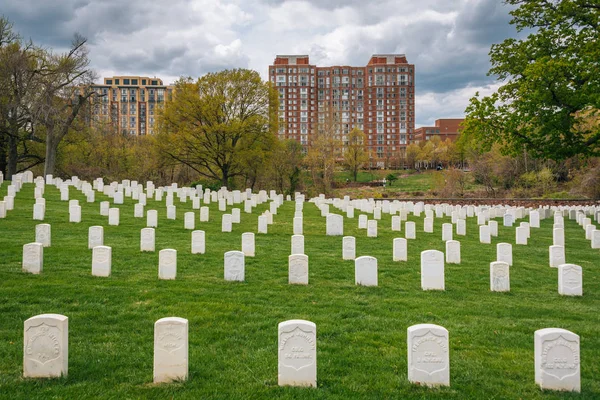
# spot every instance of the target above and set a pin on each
(448, 41)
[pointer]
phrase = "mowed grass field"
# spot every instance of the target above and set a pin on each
(361, 331)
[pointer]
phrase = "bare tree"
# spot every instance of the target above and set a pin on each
(66, 81)
(19, 89)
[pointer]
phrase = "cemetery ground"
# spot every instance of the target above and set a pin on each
(361, 331)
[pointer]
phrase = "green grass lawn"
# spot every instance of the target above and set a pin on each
(361, 331)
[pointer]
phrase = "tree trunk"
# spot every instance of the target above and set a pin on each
(3, 155)
(224, 176)
(51, 150)
(13, 156)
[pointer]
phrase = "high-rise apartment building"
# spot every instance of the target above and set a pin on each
(378, 98)
(129, 103)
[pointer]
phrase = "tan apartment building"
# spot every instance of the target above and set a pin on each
(378, 98)
(447, 128)
(129, 103)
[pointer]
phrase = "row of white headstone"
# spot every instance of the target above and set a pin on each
(366, 274)
(46, 353)
(335, 227)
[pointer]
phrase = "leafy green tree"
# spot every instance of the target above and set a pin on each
(551, 81)
(391, 178)
(355, 155)
(215, 124)
(286, 165)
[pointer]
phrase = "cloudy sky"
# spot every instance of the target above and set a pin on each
(447, 40)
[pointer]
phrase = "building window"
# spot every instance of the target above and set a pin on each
(116, 81)
(125, 81)
(109, 81)
(144, 82)
(134, 81)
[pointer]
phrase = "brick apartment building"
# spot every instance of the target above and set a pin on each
(378, 98)
(448, 128)
(129, 103)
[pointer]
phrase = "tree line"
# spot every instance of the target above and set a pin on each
(222, 128)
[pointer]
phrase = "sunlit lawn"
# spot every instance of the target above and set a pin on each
(361, 331)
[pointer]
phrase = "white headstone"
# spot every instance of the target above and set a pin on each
(95, 236)
(297, 244)
(362, 221)
(152, 219)
(349, 248)
(365, 271)
(452, 252)
(235, 216)
(504, 253)
(350, 211)
(33, 258)
(400, 249)
(484, 234)
(204, 214)
(447, 232)
(39, 211)
(226, 223)
(138, 210)
(410, 230)
(570, 280)
(167, 264)
(43, 234)
(171, 350)
(432, 270)
(147, 239)
(499, 276)
(428, 225)
(234, 266)
(372, 228)
(297, 353)
(298, 269)
(596, 239)
(113, 216)
(493, 228)
(461, 227)
(521, 235)
(557, 256)
(248, 245)
(428, 355)
(198, 242)
(335, 225)
(171, 212)
(75, 214)
(558, 236)
(557, 359)
(104, 207)
(46, 346)
(298, 222)
(262, 224)
(101, 261)
(534, 219)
